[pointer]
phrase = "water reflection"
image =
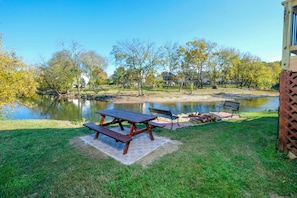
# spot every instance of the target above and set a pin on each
(75, 109)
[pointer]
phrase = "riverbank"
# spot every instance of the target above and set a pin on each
(184, 97)
(171, 95)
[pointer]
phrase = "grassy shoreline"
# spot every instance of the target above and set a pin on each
(235, 158)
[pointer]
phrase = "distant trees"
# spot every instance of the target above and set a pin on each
(137, 57)
(250, 71)
(16, 79)
(203, 61)
(228, 60)
(93, 66)
(171, 61)
(118, 77)
(58, 73)
(66, 68)
(195, 55)
(73, 53)
(193, 64)
(139, 63)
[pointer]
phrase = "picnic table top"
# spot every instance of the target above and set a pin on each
(130, 116)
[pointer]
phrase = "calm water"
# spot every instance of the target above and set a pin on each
(49, 108)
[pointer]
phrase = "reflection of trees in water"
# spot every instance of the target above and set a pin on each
(189, 107)
(74, 109)
(257, 104)
(90, 108)
(186, 107)
(254, 103)
(57, 108)
(137, 107)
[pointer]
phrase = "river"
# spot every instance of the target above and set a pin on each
(74, 109)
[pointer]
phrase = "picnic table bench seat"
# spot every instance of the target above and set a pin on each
(155, 124)
(115, 135)
(230, 106)
(165, 114)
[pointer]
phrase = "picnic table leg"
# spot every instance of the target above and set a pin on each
(132, 129)
(149, 130)
(101, 123)
(121, 125)
(96, 136)
(126, 148)
(102, 120)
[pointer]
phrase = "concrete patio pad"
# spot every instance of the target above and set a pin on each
(140, 146)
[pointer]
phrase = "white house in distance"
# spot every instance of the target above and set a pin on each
(84, 81)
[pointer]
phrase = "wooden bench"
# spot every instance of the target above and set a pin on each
(230, 106)
(115, 135)
(165, 114)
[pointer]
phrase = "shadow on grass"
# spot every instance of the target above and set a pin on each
(34, 159)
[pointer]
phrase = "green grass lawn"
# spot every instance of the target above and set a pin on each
(236, 158)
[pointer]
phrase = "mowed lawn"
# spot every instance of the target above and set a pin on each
(235, 158)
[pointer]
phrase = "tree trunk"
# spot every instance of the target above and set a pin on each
(57, 92)
(200, 80)
(140, 91)
(78, 85)
(141, 88)
(180, 86)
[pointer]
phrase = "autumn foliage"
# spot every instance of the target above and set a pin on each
(16, 79)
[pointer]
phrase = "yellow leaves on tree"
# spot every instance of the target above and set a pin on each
(16, 80)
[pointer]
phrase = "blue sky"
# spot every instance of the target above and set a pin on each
(34, 29)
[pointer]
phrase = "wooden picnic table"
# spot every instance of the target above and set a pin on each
(131, 117)
(120, 116)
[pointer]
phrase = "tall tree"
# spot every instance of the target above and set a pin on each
(139, 56)
(228, 58)
(253, 72)
(118, 76)
(58, 73)
(182, 76)
(16, 79)
(196, 54)
(171, 59)
(93, 65)
(74, 52)
(276, 69)
(213, 69)
(248, 69)
(151, 79)
(68, 66)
